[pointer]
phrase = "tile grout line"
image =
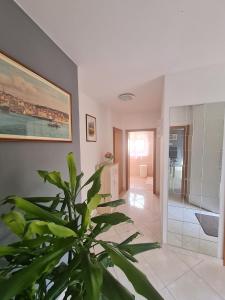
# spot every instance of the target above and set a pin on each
(222, 298)
(151, 232)
(202, 279)
(185, 272)
(166, 285)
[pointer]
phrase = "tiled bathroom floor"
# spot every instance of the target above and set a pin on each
(176, 273)
(184, 229)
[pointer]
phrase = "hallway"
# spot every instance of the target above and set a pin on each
(177, 274)
(144, 209)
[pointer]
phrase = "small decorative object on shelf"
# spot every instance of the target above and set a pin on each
(109, 157)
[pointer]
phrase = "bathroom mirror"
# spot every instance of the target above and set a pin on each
(195, 161)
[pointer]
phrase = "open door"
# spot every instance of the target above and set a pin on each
(118, 153)
(178, 158)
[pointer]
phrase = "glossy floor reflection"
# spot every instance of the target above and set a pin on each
(177, 274)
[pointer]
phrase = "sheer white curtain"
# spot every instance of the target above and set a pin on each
(138, 144)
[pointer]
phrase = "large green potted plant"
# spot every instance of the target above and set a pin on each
(56, 248)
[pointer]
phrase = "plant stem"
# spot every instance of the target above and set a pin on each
(68, 202)
(69, 207)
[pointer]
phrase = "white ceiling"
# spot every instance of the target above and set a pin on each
(127, 45)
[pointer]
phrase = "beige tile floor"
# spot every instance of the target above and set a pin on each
(176, 273)
(184, 229)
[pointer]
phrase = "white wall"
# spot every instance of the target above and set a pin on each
(180, 116)
(92, 153)
(144, 120)
(202, 85)
(196, 86)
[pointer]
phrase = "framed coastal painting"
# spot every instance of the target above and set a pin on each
(91, 131)
(31, 107)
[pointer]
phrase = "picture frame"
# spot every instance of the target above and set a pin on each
(91, 129)
(32, 108)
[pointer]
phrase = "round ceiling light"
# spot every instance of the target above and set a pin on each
(126, 96)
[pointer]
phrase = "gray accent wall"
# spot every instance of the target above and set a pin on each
(22, 39)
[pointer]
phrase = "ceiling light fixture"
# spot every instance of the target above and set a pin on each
(126, 96)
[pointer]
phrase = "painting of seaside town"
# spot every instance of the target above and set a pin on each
(31, 108)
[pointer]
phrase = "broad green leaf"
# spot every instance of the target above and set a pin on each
(114, 203)
(128, 255)
(40, 199)
(80, 207)
(72, 171)
(75, 297)
(96, 186)
(112, 289)
(94, 176)
(134, 249)
(50, 209)
(61, 231)
(136, 277)
(78, 180)
(130, 238)
(105, 195)
(42, 287)
(55, 202)
(15, 221)
(22, 259)
(94, 202)
(43, 174)
(54, 178)
(83, 210)
(28, 294)
(58, 287)
(35, 210)
(92, 274)
(62, 280)
(8, 250)
(23, 279)
(105, 259)
(100, 228)
(57, 271)
(42, 227)
(112, 219)
(34, 243)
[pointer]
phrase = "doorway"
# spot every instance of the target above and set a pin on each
(178, 161)
(141, 159)
(118, 155)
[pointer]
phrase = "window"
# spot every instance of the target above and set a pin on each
(138, 144)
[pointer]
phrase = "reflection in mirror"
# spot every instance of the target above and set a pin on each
(195, 159)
